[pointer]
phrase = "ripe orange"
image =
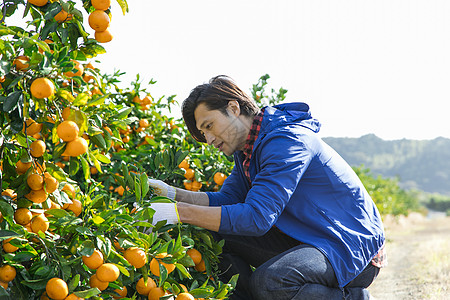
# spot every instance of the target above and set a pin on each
(73, 297)
(196, 185)
(51, 183)
(35, 181)
(37, 148)
(57, 289)
(185, 296)
(108, 272)
(184, 165)
(219, 178)
(93, 261)
(156, 293)
(144, 123)
(38, 2)
(22, 167)
(146, 100)
(101, 4)
(42, 88)
(23, 216)
(22, 62)
(189, 174)
(122, 293)
(67, 130)
(103, 36)
(200, 267)
(136, 257)
(7, 273)
(69, 189)
(7, 247)
(38, 196)
(10, 193)
(40, 223)
(154, 265)
(78, 67)
(61, 16)
(32, 127)
(119, 190)
(94, 282)
(75, 207)
(188, 185)
(143, 288)
(76, 147)
(126, 139)
(98, 20)
(195, 255)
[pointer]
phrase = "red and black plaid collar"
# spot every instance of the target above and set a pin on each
(250, 141)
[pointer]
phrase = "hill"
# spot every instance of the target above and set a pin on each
(418, 164)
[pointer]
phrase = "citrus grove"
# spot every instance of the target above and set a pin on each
(76, 151)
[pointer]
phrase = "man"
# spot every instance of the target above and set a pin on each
(292, 207)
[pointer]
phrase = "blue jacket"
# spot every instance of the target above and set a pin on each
(302, 186)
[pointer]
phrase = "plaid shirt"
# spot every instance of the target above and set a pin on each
(380, 260)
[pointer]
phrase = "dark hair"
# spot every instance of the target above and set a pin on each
(215, 95)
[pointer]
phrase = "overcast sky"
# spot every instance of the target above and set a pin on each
(364, 67)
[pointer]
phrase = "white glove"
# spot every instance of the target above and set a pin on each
(162, 189)
(165, 211)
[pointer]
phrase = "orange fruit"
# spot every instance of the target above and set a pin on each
(10, 193)
(40, 223)
(78, 67)
(103, 36)
(189, 174)
(200, 267)
(22, 216)
(35, 181)
(108, 272)
(32, 127)
(51, 184)
(38, 196)
(185, 296)
(67, 130)
(154, 265)
(75, 207)
(156, 293)
(38, 2)
(7, 247)
(7, 273)
(146, 100)
(184, 165)
(93, 170)
(122, 293)
(42, 88)
(37, 148)
(21, 62)
(219, 178)
(196, 185)
(89, 66)
(94, 282)
(76, 147)
(144, 123)
(22, 167)
(195, 255)
(93, 261)
(101, 4)
(61, 16)
(120, 190)
(73, 297)
(136, 257)
(188, 185)
(126, 139)
(144, 288)
(57, 289)
(66, 113)
(98, 20)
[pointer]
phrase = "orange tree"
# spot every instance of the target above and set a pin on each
(75, 216)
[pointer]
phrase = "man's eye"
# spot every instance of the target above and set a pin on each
(208, 126)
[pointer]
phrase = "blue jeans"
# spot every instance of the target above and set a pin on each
(285, 269)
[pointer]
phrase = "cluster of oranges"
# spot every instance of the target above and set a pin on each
(191, 184)
(99, 20)
(144, 103)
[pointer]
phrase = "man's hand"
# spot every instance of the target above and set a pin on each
(165, 211)
(162, 189)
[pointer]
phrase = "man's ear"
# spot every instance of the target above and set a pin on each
(234, 108)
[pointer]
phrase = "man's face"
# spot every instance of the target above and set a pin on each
(225, 132)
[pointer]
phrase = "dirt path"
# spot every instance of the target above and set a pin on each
(419, 260)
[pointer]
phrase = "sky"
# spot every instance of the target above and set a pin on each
(363, 67)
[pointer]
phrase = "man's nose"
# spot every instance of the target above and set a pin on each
(209, 138)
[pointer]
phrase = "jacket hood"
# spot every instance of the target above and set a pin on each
(289, 113)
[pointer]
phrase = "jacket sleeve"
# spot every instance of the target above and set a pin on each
(283, 159)
(233, 190)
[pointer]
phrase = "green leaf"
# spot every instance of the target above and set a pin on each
(6, 209)
(137, 189)
(86, 168)
(74, 282)
(6, 234)
(144, 184)
(84, 230)
(88, 293)
(97, 101)
(99, 141)
(66, 95)
(98, 220)
(123, 5)
(48, 28)
(123, 113)
(11, 101)
(24, 256)
(81, 99)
